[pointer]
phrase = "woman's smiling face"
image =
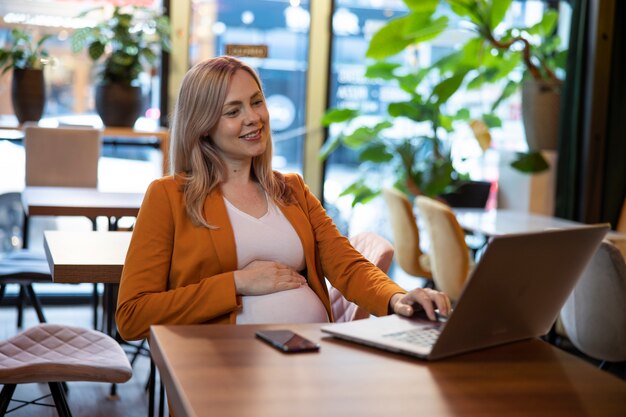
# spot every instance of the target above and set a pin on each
(243, 129)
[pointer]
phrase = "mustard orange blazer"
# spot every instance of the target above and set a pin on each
(178, 273)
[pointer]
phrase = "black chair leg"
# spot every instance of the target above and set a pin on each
(95, 301)
(5, 397)
(151, 383)
(34, 300)
(20, 307)
(161, 398)
(58, 395)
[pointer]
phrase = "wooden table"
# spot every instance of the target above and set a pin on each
(74, 201)
(161, 133)
(91, 257)
(223, 370)
(91, 203)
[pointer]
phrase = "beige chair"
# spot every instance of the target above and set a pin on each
(449, 255)
(594, 315)
(61, 156)
(53, 354)
(406, 236)
(378, 251)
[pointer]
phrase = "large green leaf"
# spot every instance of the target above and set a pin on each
(96, 49)
(410, 82)
(498, 11)
(466, 8)
(547, 24)
(414, 111)
(382, 69)
(471, 54)
(446, 88)
(376, 152)
(462, 114)
(389, 39)
(330, 146)
(401, 32)
(360, 191)
(529, 163)
(421, 27)
(338, 116)
(422, 5)
(560, 60)
(360, 136)
(491, 120)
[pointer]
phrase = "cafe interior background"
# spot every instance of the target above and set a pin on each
(316, 61)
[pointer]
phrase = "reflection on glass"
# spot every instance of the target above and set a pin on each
(281, 25)
(71, 77)
(354, 23)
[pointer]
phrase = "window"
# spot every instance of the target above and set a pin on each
(281, 25)
(354, 23)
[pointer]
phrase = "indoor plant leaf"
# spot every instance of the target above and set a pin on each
(498, 11)
(338, 116)
(532, 162)
(376, 152)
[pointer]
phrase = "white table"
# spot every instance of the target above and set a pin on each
(503, 221)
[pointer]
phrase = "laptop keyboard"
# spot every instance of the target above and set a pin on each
(424, 336)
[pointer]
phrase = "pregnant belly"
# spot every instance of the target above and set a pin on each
(300, 305)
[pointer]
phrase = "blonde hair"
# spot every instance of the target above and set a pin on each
(194, 157)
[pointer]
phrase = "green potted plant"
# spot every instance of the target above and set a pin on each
(421, 164)
(124, 45)
(501, 54)
(26, 58)
(419, 158)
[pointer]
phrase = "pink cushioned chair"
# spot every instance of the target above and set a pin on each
(52, 354)
(378, 251)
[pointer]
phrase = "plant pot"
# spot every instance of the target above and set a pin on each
(118, 104)
(470, 194)
(540, 113)
(28, 94)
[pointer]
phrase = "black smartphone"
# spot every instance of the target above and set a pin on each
(287, 341)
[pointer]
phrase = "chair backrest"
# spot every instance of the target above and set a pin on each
(449, 255)
(406, 235)
(378, 251)
(11, 220)
(594, 315)
(61, 156)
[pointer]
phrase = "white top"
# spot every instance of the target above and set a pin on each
(272, 238)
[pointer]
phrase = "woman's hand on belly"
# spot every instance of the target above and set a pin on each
(266, 277)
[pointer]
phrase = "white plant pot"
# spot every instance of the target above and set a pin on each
(540, 113)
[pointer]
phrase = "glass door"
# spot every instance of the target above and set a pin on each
(281, 26)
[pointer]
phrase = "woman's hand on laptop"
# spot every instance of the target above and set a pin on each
(420, 298)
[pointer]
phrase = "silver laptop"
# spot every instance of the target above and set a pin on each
(515, 292)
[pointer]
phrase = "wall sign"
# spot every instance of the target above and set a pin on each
(253, 51)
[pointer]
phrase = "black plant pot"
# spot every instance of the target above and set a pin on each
(470, 194)
(118, 104)
(28, 94)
